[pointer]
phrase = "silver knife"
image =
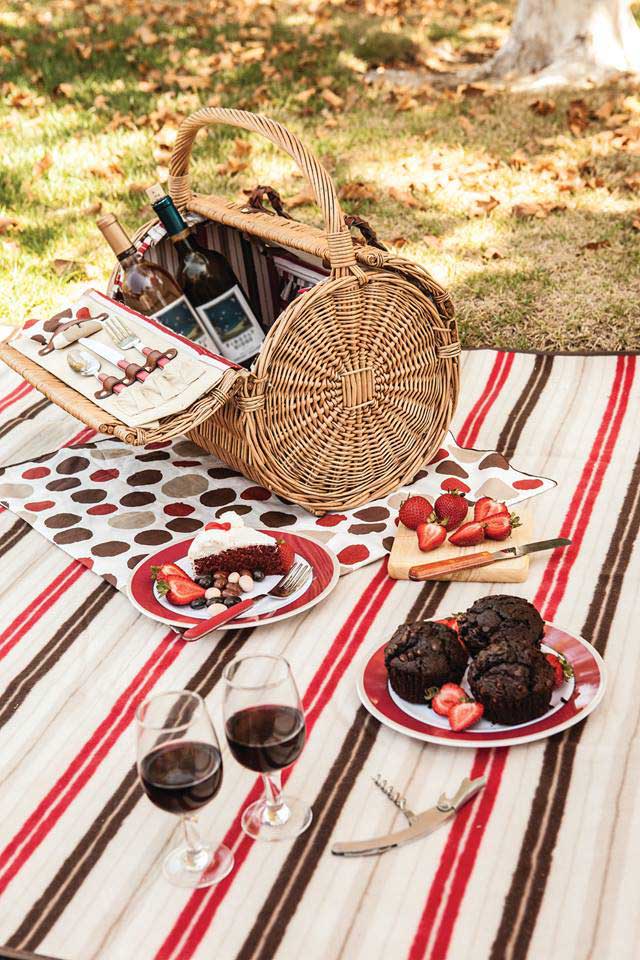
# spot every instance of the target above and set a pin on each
(440, 568)
(113, 356)
(422, 824)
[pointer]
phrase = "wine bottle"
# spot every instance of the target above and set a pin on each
(149, 288)
(211, 287)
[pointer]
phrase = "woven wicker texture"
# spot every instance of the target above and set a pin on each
(357, 380)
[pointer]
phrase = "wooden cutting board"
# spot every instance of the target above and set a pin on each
(405, 554)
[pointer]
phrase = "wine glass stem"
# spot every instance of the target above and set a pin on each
(195, 856)
(276, 811)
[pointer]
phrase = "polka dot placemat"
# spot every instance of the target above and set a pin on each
(109, 505)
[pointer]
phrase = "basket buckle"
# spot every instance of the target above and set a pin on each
(358, 387)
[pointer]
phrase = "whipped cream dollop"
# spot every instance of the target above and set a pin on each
(229, 533)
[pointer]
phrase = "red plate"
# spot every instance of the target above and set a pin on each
(325, 567)
(582, 696)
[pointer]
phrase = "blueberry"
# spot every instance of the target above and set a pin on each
(204, 581)
(231, 601)
(198, 603)
(258, 576)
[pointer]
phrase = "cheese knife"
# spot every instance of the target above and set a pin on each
(421, 824)
(133, 371)
(439, 568)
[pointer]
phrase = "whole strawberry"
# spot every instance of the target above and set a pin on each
(451, 509)
(414, 511)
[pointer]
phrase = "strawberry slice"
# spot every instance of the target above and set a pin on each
(287, 555)
(447, 697)
(487, 507)
(463, 715)
(167, 570)
(562, 669)
(430, 535)
(452, 623)
(468, 535)
(500, 527)
(179, 590)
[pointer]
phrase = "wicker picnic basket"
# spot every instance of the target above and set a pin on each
(357, 379)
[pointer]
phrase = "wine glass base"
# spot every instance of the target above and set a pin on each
(212, 865)
(293, 818)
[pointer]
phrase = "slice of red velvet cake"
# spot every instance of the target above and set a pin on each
(230, 545)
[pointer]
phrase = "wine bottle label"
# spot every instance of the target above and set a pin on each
(180, 317)
(232, 325)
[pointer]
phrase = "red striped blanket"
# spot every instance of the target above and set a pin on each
(540, 865)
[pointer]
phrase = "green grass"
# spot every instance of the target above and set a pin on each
(523, 283)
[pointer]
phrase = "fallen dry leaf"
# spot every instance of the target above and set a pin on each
(43, 165)
(332, 98)
(305, 95)
(432, 240)
(399, 242)
(138, 187)
(632, 182)
(493, 254)
(635, 224)
(357, 190)
(302, 199)
(61, 266)
(7, 223)
(92, 209)
(595, 244)
(466, 124)
(66, 89)
(484, 205)
(542, 107)
(577, 117)
(539, 211)
(518, 159)
(404, 197)
(241, 148)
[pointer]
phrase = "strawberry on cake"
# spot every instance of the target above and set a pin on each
(230, 545)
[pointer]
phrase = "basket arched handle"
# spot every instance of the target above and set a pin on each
(341, 252)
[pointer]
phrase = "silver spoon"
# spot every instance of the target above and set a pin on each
(83, 362)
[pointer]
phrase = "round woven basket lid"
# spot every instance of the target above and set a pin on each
(359, 390)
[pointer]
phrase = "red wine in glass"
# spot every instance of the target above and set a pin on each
(265, 728)
(266, 738)
(181, 777)
(180, 769)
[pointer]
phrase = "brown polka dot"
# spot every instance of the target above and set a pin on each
(137, 499)
(65, 483)
(396, 500)
(216, 498)
(88, 496)
(222, 473)
(371, 514)
(134, 561)
(15, 490)
(133, 520)
(387, 543)
(157, 444)
(186, 448)
(61, 520)
(104, 453)
(466, 456)
(185, 485)
(178, 509)
(452, 469)
(109, 577)
(72, 536)
(420, 475)
(144, 477)
(184, 525)
(72, 465)
(36, 473)
(359, 529)
(241, 510)
(112, 548)
(496, 488)
(154, 455)
(274, 518)
(494, 460)
(256, 493)
(152, 538)
(103, 476)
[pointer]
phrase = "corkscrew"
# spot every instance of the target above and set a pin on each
(395, 796)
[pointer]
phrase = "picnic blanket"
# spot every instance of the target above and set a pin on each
(540, 864)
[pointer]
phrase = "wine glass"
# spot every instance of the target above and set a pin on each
(180, 768)
(265, 728)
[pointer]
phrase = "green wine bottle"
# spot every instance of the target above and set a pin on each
(149, 288)
(211, 287)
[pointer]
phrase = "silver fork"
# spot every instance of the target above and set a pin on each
(289, 584)
(122, 336)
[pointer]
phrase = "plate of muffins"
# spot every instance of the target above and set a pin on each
(495, 675)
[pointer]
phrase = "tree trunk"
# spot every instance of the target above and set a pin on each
(559, 42)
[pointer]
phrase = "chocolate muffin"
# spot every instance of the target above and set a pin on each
(484, 620)
(422, 655)
(512, 679)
